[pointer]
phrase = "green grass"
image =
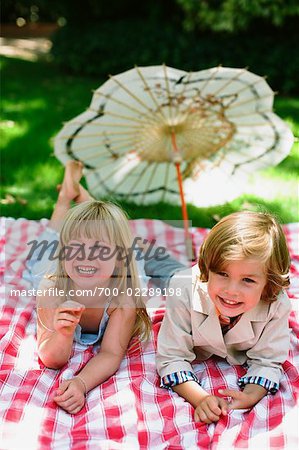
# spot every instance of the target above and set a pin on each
(37, 99)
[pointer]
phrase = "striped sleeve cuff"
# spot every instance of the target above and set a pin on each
(271, 386)
(176, 378)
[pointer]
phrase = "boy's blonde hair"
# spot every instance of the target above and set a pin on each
(98, 220)
(248, 234)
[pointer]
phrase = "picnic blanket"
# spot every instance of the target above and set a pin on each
(129, 410)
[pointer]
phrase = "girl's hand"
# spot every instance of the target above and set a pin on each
(70, 395)
(210, 409)
(67, 316)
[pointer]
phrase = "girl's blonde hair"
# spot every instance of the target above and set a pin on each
(101, 220)
(248, 234)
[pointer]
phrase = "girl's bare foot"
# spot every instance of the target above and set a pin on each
(70, 190)
(83, 195)
(70, 187)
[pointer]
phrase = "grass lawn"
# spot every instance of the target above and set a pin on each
(37, 98)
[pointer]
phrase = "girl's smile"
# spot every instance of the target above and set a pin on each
(237, 287)
(86, 271)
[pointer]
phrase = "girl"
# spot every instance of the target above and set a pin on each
(236, 308)
(92, 297)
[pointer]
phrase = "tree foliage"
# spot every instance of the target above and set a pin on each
(88, 11)
(103, 37)
(236, 15)
(212, 15)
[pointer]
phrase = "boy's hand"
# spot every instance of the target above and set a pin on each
(210, 409)
(70, 395)
(247, 398)
(67, 317)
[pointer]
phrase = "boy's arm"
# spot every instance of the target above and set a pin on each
(266, 357)
(175, 346)
(113, 348)
(191, 391)
(175, 351)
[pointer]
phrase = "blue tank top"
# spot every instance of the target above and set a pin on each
(91, 338)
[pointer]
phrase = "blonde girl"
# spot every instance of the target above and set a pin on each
(232, 305)
(96, 291)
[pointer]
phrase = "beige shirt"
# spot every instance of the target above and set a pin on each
(191, 331)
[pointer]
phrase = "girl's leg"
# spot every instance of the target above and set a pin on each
(68, 191)
(159, 270)
(40, 261)
(83, 195)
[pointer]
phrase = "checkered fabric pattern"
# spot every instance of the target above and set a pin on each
(130, 410)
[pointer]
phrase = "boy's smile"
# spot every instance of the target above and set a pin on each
(229, 303)
(237, 287)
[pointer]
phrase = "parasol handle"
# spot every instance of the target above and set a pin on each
(188, 237)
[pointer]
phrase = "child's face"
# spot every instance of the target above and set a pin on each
(93, 262)
(237, 287)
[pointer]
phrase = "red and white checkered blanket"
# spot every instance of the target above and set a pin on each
(129, 410)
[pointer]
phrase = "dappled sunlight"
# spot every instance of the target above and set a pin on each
(27, 49)
(265, 187)
(41, 176)
(18, 190)
(216, 187)
(10, 130)
(40, 204)
(293, 125)
(295, 149)
(278, 192)
(287, 169)
(10, 106)
(47, 175)
(38, 178)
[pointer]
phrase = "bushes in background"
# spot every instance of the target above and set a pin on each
(110, 47)
(103, 37)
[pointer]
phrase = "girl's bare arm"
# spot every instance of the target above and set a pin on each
(55, 331)
(113, 348)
